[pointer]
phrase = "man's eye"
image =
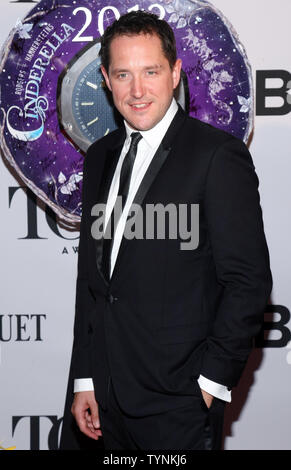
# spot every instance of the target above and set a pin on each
(151, 72)
(122, 75)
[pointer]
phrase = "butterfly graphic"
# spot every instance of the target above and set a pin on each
(68, 186)
(23, 29)
(245, 104)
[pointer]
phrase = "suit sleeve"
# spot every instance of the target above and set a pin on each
(234, 218)
(85, 303)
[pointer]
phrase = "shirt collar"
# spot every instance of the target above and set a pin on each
(154, 136)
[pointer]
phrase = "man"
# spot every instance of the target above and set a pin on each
(162, 333)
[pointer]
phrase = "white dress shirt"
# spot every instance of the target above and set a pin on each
(146, 150)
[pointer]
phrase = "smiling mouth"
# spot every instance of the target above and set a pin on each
(140, 106)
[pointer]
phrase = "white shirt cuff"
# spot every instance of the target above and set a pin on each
(215, 389)
(83, 385)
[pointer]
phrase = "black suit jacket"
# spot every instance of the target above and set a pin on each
(169, 315)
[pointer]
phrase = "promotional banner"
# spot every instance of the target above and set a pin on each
(54, 104)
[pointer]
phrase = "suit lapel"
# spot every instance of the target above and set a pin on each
(111, 161)
(154, 168)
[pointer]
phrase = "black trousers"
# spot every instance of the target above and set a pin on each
(194, 427)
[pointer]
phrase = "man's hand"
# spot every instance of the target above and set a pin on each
(86, 413)
(207, 398)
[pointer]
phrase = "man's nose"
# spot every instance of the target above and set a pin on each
(137, 87)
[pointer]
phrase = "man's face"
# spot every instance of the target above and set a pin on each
(140, 79)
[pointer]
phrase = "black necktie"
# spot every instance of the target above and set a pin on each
(125, 175)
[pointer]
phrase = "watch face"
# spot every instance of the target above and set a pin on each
(86, 112)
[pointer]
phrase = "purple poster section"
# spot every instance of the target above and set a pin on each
(53, 100)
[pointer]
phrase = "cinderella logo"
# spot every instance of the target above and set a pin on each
(35, 105)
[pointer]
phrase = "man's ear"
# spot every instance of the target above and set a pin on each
(176, 72)
(106, 77)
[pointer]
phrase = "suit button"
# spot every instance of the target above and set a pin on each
(111, 299)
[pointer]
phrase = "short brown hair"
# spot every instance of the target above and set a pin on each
(139, 22)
